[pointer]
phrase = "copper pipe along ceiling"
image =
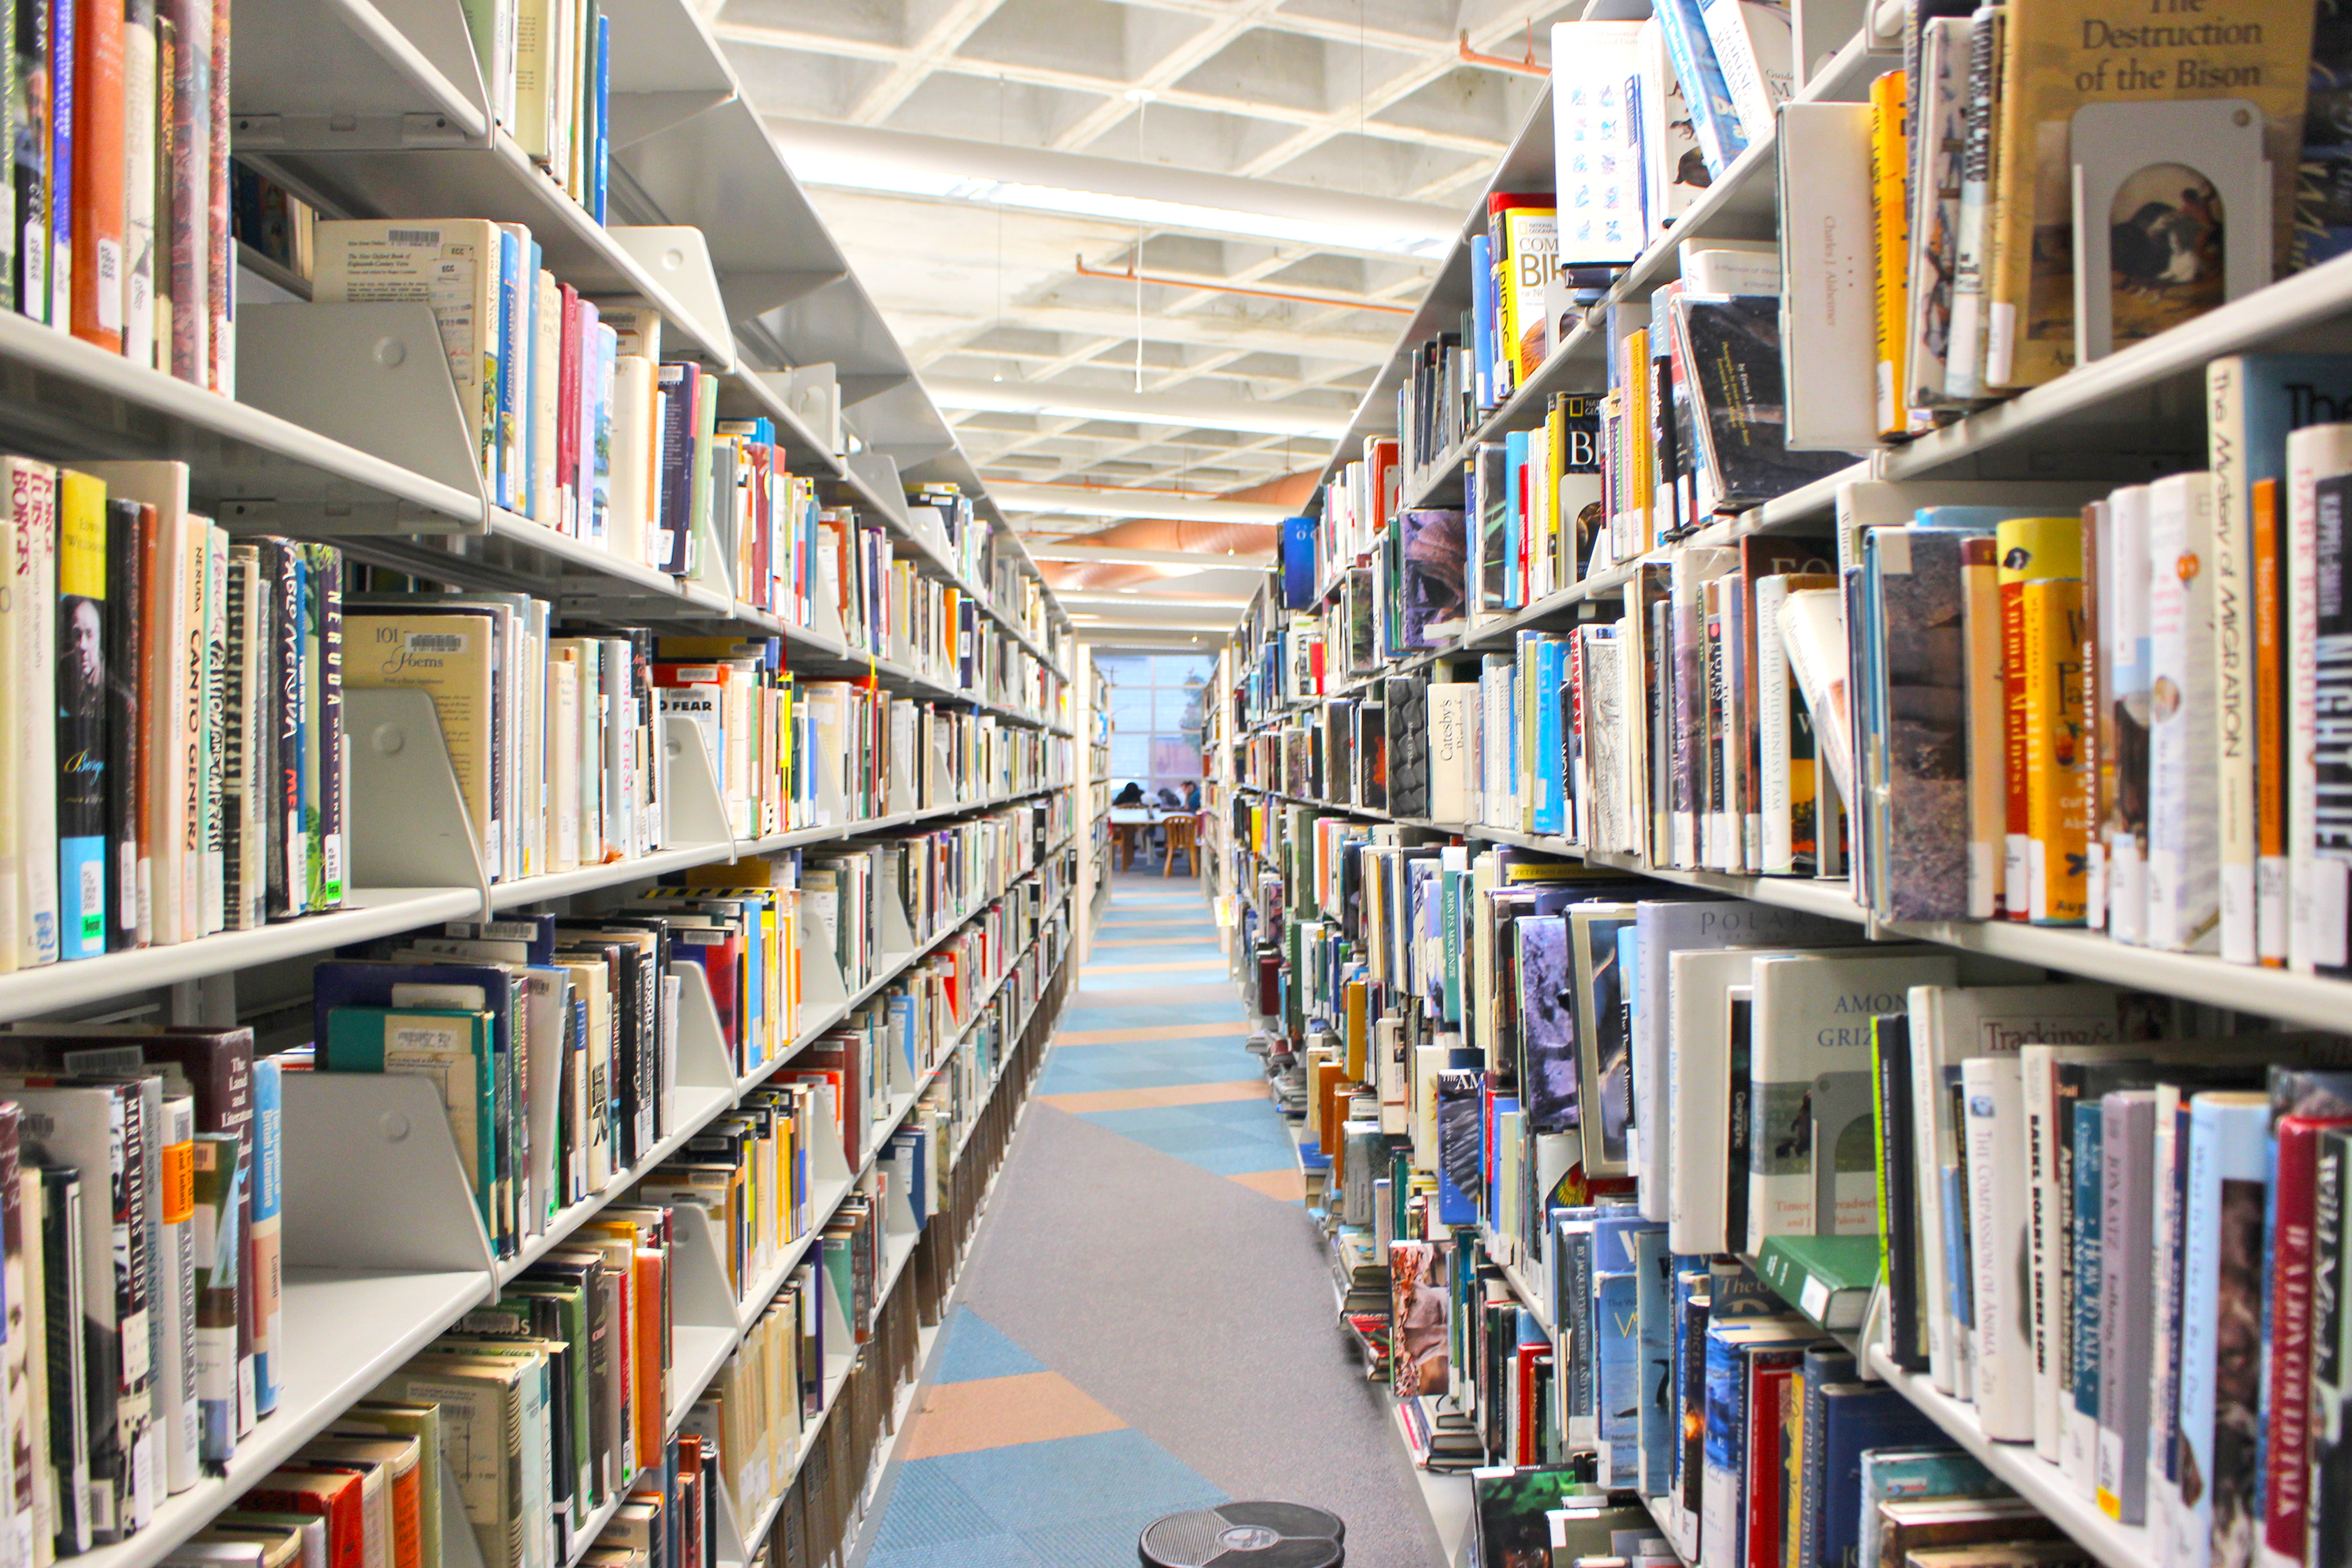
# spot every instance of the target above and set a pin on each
(1527, 67)
(1132, 276)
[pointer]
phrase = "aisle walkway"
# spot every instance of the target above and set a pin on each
(1146, 1322)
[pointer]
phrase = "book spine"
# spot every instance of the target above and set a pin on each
(2230, 568)
(212, 795)
(2002, 1355)
(2320, 878)
(2227, 1155)
(81, 708)
(2125, 632)
(191, 187)
(1891, 227)
(176, 1406)
(127, 556)
(506, 473)
(212, 217)
(2078, 1457)
(2058, 812)
(267, 1286)
(333, 830)
(64, 190)
(290, 869)
(33, 500)
(1986, 738)
(2097, 766)
(29, 124)
(1964, 362)
(140, 105)
(2038, 1090)
(2287, 1341)
(567, 416)
(2126, 1310)
(2017, 832)
(98, 171)
(2270, 727)
(238, 894)
(2184, 896)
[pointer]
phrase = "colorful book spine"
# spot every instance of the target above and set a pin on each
(2229, 1155)
(82, 728)
(98, 172)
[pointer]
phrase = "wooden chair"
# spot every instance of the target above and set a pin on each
(1185, 835)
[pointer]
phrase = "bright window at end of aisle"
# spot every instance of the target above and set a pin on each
(1156, 705)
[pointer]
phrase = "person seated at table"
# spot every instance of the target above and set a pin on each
(1131, 796)
(1168, 801)
(1192, 796)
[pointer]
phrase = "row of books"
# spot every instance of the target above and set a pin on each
(119, 183)
(131, 1107)
(1477, 1117)
(368, 1492)
(546, 67)
(2105, 716)
(174, 715)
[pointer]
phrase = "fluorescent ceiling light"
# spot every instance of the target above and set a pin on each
(1132, 599)
(1087, 186)
(1143, 408)
(1109, 501)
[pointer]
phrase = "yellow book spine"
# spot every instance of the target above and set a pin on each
(1891, 224)
(2058, 794)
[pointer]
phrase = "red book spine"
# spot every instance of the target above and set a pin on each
(1769, 1371)
(567, 417)
(97, 175)
(2286, 1489)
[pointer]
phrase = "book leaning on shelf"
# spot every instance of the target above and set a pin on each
(1517, 1071)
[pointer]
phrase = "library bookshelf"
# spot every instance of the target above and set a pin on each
(344, 429)
(2136, 413)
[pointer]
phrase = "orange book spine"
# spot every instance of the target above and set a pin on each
(408, 1518)
(2058, 803)
(2015, 896)
(653, 1397)
(1891, 221)
(2270, 733)
(100, 166)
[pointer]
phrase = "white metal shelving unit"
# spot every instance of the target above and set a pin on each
(2123, 419)
(345, 428)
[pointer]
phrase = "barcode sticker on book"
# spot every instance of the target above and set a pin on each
(109, 285)
(435, 643)
(428, 237)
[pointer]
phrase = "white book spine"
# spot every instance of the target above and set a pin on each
(1926, 1088)
(2123, 611)
(2004, 1359)
(2314, 885)
(33, 600)
(212, 797)
(2231, 567)
(1829, 271)
(2183, 863)
(1743, 38)
(2037, 1083)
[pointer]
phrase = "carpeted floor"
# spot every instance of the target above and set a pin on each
(1146, 1323)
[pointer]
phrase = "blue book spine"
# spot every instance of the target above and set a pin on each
(601, 146)
(2228, 1160)
(1618, 1332)
(599, 429)
(1482, 322)
(1514, 466)
(61, 164)
(1654, 1302)
(269, 1212)
(1550, 756)
(527, 496)
(1576, 1255)
(2090, 1196)
(297, 725)
(1715, 119)
(1726, 1450)
(507, 488)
